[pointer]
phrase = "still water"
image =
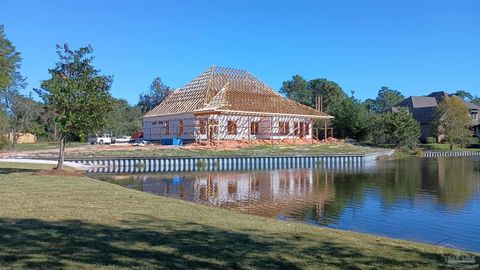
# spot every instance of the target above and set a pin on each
(430, 200)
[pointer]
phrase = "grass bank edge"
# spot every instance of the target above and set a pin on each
(187, 212)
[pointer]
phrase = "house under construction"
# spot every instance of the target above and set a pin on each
(231, 104)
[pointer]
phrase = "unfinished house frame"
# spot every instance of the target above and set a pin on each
(231, 104)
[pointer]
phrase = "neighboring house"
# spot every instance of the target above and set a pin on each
(424, 110)
(229, 104)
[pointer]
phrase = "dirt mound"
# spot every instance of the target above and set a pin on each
(238, 144)
(55, 172)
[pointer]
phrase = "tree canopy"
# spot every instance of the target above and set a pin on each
(330, 92)
(453, 121)
(297, 89)
(9, 60)
(305, 92)
(77, 93)
(464, 95)
(157, 93)
(397, 128)
(125, 119)
(386, 99)
(352, 119)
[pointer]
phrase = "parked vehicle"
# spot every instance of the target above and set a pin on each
(123, 139)
(140, 143)
(100, 139)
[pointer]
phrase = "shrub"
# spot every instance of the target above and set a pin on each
(4, 144)
(431, 140)
(418, 152)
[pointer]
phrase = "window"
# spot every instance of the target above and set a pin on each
(295, 128)
(180, 127)
(167, 127)
(203, 126)
(283, 128)
(473, 115)
(307, 129)
(231, 127)
(254, 128)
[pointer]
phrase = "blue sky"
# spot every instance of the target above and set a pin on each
(411, 45)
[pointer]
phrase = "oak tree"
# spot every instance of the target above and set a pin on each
(453, 121)
(77, 93)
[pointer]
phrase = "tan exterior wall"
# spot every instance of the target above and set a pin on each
(22, 138)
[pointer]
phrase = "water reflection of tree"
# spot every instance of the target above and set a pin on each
(398, 180)
(317, 195)
(452, 181)
(458, 179)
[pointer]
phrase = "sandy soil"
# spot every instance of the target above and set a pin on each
(221, 145)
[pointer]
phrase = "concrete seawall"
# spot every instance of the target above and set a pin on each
(451, 154)
(188, 164)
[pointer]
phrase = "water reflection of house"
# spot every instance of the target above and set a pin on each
(271, 193)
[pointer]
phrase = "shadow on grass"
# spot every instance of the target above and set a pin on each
(17, 170)
(154, 243)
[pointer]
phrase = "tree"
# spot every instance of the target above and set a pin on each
(386, 99)
(158, 92)
(304, 92)
(397, 128)
(9, 60)
(476, 100)
(331, 93)
(352, 119)
(453, 121)
(297, 89)
(7, 99)
(126, 119)
(9, 63)
(3, 139)
(25, 113)
(77, 93)
(464, 95)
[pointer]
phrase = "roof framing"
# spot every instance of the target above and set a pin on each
(228, 90)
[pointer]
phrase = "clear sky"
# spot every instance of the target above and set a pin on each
(414, 46)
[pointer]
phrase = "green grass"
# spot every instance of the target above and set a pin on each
(42, 146)
(445, 147)
(258, 150)
(76, 222)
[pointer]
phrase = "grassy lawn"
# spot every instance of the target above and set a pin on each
(43, 146)
(76, 222)
(258, 150)
(445, 147)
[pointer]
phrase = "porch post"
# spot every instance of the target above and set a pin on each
(325, 129)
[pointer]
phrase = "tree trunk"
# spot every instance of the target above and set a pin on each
(451, 146)
(14, 139)
(61, 154)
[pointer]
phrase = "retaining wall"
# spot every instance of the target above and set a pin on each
(134, 165)
(451, 153)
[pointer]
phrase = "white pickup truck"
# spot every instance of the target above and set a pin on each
(123, 139)
(100, 139)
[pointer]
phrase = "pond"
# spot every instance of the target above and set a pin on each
(430, 200)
